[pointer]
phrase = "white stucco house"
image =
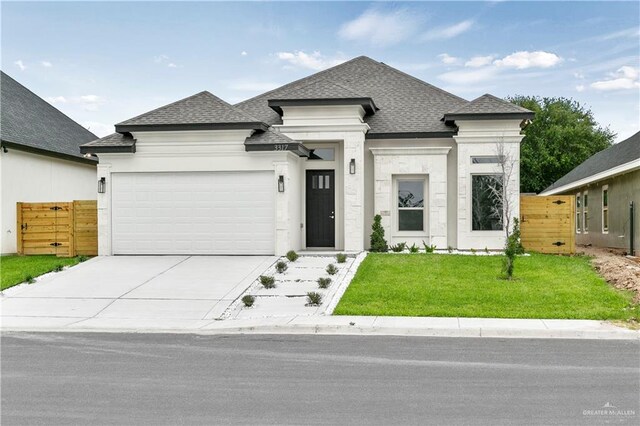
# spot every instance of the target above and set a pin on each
(40, 159)
(307, 166)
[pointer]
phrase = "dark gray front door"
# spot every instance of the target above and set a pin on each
(321, 208)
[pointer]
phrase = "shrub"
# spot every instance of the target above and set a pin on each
(429, 248)
(473, 251)
(58, 268)
(512, 248)
(486, 250)
(29, 279)
(267, 281)
(281, 266)
(450, 249)
(82, 258)
(292, 256)
(248, 300)
(341, 257)
(414, 248)
(378, 243)
(324, 282)
(331, 269)
(314, 298)
(398, 247)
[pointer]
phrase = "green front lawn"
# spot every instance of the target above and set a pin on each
(15, 269)
(439, 285)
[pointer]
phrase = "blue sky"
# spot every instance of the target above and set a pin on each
(101, 63)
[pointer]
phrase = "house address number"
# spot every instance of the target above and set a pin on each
(281, 147)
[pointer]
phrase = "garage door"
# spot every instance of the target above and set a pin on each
(193, 213)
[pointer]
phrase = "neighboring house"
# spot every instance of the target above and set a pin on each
(307, 166)
(604, 186)
(40, 159)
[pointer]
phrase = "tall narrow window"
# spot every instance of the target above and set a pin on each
(411, 205)
(486, 203)
(605, 209)
(585, 212)
(578, 214)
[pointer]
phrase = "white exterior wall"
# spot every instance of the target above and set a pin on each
(28, 177)
(481, 138)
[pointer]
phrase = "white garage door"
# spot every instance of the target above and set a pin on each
(193, 213)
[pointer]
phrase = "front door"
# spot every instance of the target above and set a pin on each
(321, 208)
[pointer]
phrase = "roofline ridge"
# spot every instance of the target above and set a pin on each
(163, 106)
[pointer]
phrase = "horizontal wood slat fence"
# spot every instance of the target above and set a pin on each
(65, 229)
(547, 224)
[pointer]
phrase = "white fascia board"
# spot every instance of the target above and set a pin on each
(623, 168)
(435, 150)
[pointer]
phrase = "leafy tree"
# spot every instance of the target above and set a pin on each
(562, 135)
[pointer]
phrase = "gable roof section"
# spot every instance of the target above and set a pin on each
(407, 105)
(30, 123)
(202, 111)
(601, 165)
(488, 107)
(266, 141)
(115, 142)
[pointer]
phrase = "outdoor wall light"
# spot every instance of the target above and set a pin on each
(352, 166)
(4, 149)
(280, 183)
(102, 185)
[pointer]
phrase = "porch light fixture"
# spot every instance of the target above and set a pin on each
(352, 166)
(280, 183)
(102, 185)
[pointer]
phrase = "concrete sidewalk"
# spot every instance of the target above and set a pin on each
(348, 325)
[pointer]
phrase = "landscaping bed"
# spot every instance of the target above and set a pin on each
(18, 269)
(545, 286)
(620, 271)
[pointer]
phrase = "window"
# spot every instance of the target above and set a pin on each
(323, 154)
(411, 205)
(578, 214)
(585, 212)
(486, 207)
(494, 159)
(321, 182)
(605, 209)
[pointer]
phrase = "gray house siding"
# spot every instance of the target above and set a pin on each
(622, 189)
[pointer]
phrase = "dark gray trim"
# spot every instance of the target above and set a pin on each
(411, 135)
(366, 103)
(295, 147)
(128, 128)
(106, 149)
(490, 116)
(47, 153)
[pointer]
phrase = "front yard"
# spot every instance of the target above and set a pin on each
(440, 285)
(17, 269)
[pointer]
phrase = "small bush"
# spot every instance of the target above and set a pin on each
(450, 249)
(486, 250)
(331, 269)
(341, 257)
(314, 299)
(324, 282)
(267, 281)
(248, 300)
(29, 279)
(292, 256)
(58, 268)
(398, 248)
(281, 266)
(428, 248)
(473, 251)
(414, 248)
(83, 258)
(378, 243)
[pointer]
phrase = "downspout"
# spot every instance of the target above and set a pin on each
(631, 230)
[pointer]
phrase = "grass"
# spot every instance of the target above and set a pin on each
(15, 269)
(546, 286)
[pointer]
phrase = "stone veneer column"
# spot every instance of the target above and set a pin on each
(104, 211)
(282, 207)
(354, 192)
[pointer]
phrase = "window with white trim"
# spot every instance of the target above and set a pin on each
(585, 212)
(486, 204)
(410, 204)
(605, 209)
(578, 214)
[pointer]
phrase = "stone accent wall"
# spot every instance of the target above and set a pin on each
(353, 192)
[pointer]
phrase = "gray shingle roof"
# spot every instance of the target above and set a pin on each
(123, 142)
(616, 155)
(321, 89)
(406, 104)
(29, 121)
(268, 137)
(488, 105)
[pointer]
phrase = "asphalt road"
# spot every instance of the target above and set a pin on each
(162, 379)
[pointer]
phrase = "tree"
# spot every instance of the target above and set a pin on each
(562, 135)
(378, 243)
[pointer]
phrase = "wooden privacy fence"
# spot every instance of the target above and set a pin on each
(547, 224)
(65, 229)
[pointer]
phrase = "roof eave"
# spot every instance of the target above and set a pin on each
(366, 103)
(108, 149)
(412, 135)
(295, 147)
(621, 169)
(128, 128)
(489, 116)
(48, 153)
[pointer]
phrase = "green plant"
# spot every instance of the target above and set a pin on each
(324, 282)
(341, 257)
(267, 281)
(248, 300)
(414, 248)
(331, 269)
(428, 248)
(281, 266)
(486, 250)
(58, 268)
(378, 243)
(512, 248)
(292, 256)
(473, 251)
(450, 249)
(314, 298)
(398, 248)
(83, 258)
(29, 279)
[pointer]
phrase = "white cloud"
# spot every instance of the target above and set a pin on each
(443, 33)
(20, 65)
(172, 65)
(86, 102)
(315, 61)
(381, 28)
(447, 59)
(579, 75)
(56, 100)
(99, 129)
(160, 59)
(633, 32)
(46, 64)
(479, 61)
(624, 78)
(466, 77)
(580, 88)
(243, 53)
(524, 59)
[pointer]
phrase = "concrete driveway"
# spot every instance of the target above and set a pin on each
(134, 292)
